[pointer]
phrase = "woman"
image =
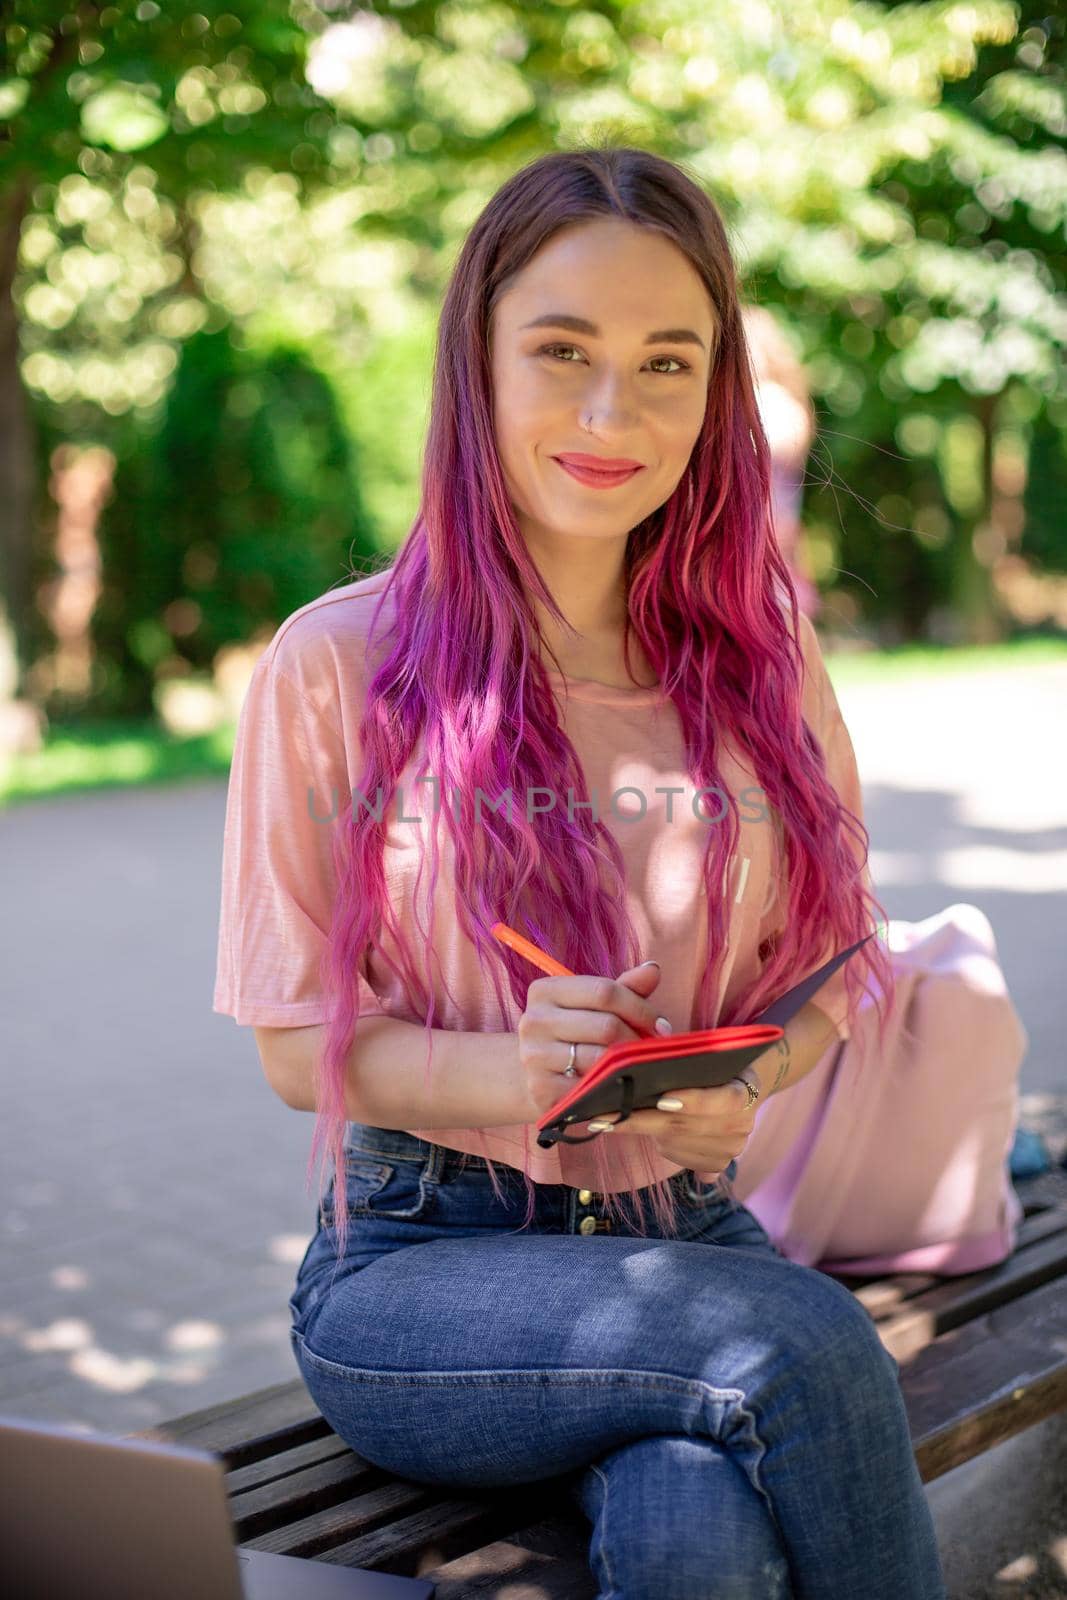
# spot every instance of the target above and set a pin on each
(588, 708)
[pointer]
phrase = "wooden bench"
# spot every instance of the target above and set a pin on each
(982, 1357)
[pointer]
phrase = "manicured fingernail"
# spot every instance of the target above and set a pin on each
(667, 1104)
(650, 963)
(601, 1127)
(663, 1026)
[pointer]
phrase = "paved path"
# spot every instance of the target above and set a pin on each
(152, 1201)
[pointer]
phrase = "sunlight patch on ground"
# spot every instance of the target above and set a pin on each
(1018, 1571)
(119, 1374)
(973, 868)
(68, 1333)
(288, 1247)
(194, 1335)
(125, 1374)
(68, 1278)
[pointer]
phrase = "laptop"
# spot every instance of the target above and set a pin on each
(96, 1517)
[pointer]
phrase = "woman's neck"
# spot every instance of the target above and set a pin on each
(601, 661)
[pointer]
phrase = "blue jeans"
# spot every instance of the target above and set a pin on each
(729, 1421)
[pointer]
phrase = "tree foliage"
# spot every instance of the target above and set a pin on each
(893, 176)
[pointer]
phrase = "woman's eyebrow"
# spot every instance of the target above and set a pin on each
(560, 319)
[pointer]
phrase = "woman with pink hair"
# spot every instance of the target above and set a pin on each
(581, 701)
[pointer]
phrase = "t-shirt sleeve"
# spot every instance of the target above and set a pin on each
(288, 776)
(823, 714)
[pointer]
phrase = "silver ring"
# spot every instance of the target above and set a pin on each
(570, 1070)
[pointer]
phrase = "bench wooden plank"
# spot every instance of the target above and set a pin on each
(549, 1561)
(927, 1317)
(281, 1465)
(336, 1479)
(447, 1529)
(319, 1529)
(249, 1427)
(988, 1380)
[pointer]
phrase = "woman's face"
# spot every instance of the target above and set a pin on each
(605, 389)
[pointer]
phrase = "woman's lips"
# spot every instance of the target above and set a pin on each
(597, 480)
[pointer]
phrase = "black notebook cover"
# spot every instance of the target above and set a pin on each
(632, 1076)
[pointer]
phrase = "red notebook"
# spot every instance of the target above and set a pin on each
(632, 1075)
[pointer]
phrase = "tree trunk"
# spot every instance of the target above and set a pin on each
(972, 579)
(16, 442)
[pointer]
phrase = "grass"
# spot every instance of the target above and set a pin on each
(927, 660)
(123, 755)
(114, 755)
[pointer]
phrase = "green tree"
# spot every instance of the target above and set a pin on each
(892, 175)
(193, 92)
(244, 502)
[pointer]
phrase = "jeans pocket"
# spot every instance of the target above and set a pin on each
(397, 1190)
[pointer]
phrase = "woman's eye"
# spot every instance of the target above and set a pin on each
(551, 349)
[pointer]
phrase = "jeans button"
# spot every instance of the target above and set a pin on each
(587, 1225)
(584, 1196)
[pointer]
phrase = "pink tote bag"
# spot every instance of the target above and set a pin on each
(898, 1162)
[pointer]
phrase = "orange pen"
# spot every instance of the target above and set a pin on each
(525, 947)
(547, 963)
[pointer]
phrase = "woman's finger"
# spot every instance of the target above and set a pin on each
(638, 1122)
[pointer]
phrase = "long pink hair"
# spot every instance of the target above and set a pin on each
(708, 591)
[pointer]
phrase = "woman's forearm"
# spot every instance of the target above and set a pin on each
(475, 1079)
(804, 1043)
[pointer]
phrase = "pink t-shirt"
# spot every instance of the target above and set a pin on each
(297, 758)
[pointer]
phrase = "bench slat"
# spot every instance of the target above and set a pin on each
(959, 1302)
(248, 1428)
(319, 1531)
(275, 1468)
(444, 1530)
(342, 1478)
(549, 1560)
(987, 1380)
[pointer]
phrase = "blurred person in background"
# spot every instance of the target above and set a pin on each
(784, 399)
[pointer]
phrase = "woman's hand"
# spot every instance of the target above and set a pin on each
(710, 1128)
(590, 1012)
(709, 1132)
